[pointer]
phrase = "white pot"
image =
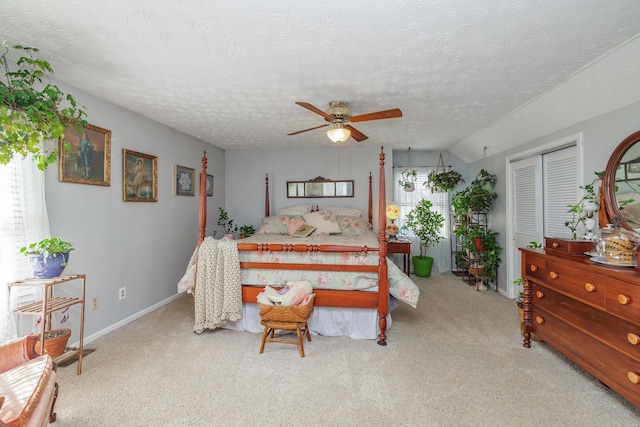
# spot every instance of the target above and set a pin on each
(409, 187)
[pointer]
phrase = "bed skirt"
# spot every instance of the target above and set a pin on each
(355, 323)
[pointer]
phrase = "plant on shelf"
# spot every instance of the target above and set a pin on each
(32, 112)
(246, 231)
(477, 197)
(582, 212)
(484, 251)
(48, 257)
(426, 224)
(408, 179)
(55, 340)
(443, 181)
(226, 222)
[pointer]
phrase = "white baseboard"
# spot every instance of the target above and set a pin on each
(126, 321)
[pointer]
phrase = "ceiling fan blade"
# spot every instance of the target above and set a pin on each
(387, 114)
(300, 131)
(356, 134)
(315, 110)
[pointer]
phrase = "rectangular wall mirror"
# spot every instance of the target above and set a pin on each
(319, 187)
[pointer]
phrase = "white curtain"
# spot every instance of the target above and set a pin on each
(406, 201)
(23, 220)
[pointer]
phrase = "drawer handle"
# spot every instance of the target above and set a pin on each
(540, 294)
(634, 377)
(555, 245)
(534, 267)
(539, 320)
(589, 287)
(623, 299)
(633, 338)
(553, 274)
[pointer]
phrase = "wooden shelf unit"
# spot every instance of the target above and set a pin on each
(51, 304)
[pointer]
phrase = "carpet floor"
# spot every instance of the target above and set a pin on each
(456, 360)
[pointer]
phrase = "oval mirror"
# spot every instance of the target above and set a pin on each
(622, 183)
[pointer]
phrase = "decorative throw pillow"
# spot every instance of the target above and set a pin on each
(278, 224)
(353, 225)
(304, 230)
(324, 221)
(338, 210)
(294, 224)
(295, 210)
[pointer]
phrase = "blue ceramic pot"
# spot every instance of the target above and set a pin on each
(51, 266)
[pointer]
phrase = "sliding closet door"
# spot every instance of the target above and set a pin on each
(560, 186)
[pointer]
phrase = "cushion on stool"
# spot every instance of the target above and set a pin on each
(24, 387)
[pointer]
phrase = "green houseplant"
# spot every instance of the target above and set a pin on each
(32, 112)
(48, 257)
(426, 225)
(246, 231)
(408, 179)
(443, 181)
(226, 223)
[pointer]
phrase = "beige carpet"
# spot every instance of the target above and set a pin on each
(456, 360)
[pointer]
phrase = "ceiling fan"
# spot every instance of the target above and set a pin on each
(338, 114)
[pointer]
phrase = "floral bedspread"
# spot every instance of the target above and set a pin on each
(400, 285)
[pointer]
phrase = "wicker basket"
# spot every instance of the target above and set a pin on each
(281, 313)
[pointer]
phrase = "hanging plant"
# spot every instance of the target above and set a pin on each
(31, 114)
(443, 181)
(408, 179)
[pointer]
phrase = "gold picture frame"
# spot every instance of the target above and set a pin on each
(139, 177)
(89, 159)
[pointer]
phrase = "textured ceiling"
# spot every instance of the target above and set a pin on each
(464, 72)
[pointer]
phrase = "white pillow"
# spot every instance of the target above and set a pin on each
(295, 210)
(324, 221)
(338, 210)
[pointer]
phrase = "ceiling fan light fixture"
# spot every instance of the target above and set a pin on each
(338, 134)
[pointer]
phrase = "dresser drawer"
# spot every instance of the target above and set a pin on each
(581, 284)
(623, 299)
(618, 333)
(618, 371)
(569, 246)
(534, 267)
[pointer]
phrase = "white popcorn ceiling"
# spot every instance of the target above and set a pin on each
(465, 73)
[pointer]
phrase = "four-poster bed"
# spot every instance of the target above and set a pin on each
(349, 271)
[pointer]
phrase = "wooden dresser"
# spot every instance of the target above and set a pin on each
(588, 311)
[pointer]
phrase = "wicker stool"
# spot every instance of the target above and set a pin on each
(271, 325)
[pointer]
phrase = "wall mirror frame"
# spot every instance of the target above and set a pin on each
(621, 183)
(319, 187)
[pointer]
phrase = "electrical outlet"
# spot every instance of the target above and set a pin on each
(122, 293)
(95, 303)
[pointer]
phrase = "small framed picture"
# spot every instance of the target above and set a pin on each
(139, 177)
(209, 185)
(89, 159)
(183, 182)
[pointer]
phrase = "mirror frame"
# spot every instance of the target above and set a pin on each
(609, 180)
(320, 180)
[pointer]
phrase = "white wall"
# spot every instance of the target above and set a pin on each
(144, 247)
(246, 169)
(601, 136)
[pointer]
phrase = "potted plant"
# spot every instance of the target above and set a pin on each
(246, 231)
(48, 257)
(443, 181)
(55, 340)
(226, 223)
(408, 179)
(484, 252)
(426, 225)
(31, 112)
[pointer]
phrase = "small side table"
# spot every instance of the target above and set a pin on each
(401, 247)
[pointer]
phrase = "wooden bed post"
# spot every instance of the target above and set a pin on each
(383, 278)
(202, 212)
(371, 198)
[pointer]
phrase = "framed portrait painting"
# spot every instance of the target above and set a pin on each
(89, 159)
(139, 177)
(183, 181)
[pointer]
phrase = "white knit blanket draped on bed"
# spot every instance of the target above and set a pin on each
(218, 294)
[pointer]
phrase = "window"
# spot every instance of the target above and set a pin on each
(407, 201)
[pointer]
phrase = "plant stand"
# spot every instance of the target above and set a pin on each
(50, 304)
